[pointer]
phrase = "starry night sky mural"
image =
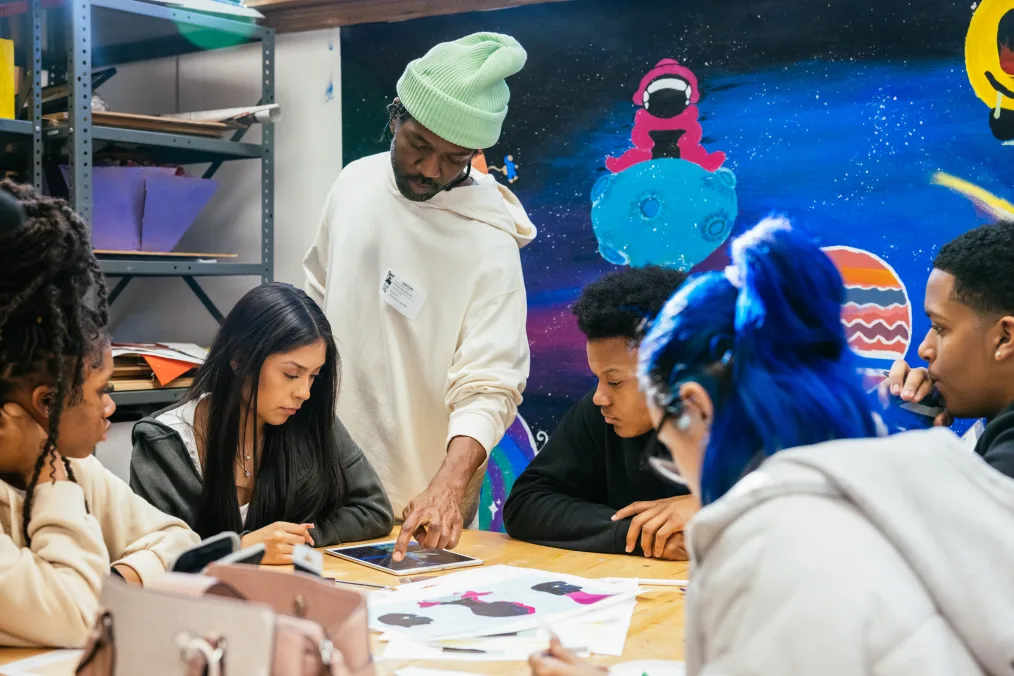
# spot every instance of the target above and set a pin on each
(837, 114)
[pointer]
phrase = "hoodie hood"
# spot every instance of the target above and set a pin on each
(485, 201)
(948, 514)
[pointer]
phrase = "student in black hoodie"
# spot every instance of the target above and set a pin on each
(970, 345)
(590, 488)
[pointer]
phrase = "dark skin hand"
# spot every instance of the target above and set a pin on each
(656, 523)
(911, 384)
(433, 517)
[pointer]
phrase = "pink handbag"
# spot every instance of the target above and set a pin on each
(234, 620)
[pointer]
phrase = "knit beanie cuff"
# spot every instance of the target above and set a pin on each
(451, 120)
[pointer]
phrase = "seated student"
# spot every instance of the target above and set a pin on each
(849, 556)
(66, 520)
(590, 488)
(250, 450)
(970, 344)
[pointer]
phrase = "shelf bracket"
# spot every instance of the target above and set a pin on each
(206, 301)
(236, 138)
(118, 289)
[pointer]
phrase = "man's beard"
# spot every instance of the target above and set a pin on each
(402, 182)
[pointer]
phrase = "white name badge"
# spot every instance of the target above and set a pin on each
(404, 297)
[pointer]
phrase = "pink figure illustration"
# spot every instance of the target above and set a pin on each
(571, 591)
(473, 601)
(666, 125)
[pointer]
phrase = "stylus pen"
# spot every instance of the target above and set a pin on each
(648, 582)
(363, 584)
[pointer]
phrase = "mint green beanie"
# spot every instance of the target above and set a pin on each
(457, 90)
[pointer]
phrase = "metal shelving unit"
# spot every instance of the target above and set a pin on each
(96, 33)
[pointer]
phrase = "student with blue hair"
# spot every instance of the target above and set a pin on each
(821, 548)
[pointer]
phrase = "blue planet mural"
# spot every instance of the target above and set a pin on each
(666, 212)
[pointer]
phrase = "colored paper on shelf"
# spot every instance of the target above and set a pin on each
(171, 205)
(271, 112)
(8, 83)
(167, 370)
(191, 354)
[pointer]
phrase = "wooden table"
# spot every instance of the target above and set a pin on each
(655, 633)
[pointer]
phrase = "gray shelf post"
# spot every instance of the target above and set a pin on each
(35, 59)
(268, 160)
(79, 75)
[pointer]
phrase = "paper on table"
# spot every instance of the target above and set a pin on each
(649, 668)
(55, 662)
(469, 604)
(419, 671)
(604, 631)
(271, 112)
(470, 651)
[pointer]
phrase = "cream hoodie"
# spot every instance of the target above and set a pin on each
(453, 359)
(50, 592)
(882, 557)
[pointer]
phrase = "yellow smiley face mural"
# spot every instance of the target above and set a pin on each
(989, 59)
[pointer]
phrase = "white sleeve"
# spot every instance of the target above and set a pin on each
(136, 534)
(315, 263)
(51, 591)
(489, 370)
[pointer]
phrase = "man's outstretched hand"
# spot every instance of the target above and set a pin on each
(433, 518)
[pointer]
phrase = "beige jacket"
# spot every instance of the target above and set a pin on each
(427, 303)
(50, 592)
(879, 557)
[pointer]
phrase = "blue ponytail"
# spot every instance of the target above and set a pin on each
(766, 339)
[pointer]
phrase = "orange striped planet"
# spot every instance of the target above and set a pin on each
(877, 313)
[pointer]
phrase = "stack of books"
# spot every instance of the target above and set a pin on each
(151, 366)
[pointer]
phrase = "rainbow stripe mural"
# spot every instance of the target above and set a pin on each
(506, 462)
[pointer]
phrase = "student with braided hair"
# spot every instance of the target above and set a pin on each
(67, 522)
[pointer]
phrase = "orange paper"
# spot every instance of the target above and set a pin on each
(167, 370)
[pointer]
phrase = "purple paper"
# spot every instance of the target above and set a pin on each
(118, 204)
(171, 205)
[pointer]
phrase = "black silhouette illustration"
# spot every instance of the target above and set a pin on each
(404, 619)
(473, 602)
(572, 591)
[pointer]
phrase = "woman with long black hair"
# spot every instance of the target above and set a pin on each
(254, 446)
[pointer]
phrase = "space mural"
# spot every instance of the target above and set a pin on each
(653, 133)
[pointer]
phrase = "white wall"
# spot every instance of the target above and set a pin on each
(307, 160)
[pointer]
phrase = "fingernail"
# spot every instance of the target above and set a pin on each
(907, 393)
(895, 389)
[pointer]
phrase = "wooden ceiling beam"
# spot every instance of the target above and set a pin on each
(289, 16)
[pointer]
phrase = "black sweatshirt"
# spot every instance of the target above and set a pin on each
(996, 445)
(584, 474)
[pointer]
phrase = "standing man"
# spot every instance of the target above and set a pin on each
(417, 266)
